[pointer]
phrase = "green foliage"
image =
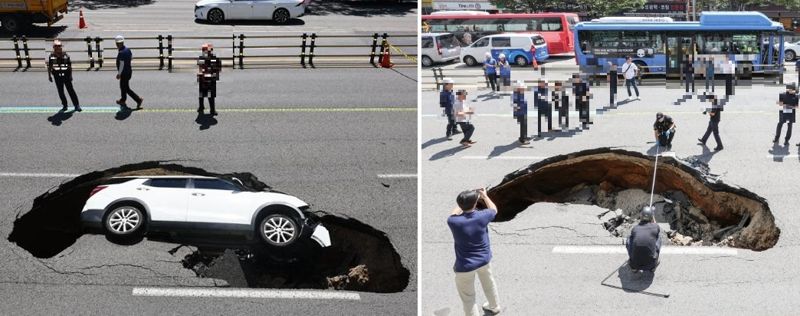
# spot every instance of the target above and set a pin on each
(608, 8)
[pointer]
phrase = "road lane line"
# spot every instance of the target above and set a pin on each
(503, 157)
(783, 156)
(397, 175)
(36, 175)
(245, 293)
(664, 250)
(115, 109)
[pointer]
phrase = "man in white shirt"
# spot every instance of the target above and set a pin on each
(463, 113)
(630, 71)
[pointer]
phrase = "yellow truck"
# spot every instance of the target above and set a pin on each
(16, 15)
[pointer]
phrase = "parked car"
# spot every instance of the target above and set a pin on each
(223, 211)
(280, 11)
(519, 48)
(791, 50)
(438, 48)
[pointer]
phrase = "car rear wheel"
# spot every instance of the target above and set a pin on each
(281, 16)
(521, 61)
(470, 61)
(216, 16)
(789, 55)
(279, 230)
(124, 221)
(427, 61)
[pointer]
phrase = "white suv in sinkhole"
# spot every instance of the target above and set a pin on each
(206, 208)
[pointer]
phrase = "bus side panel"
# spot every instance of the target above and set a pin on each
(554, 43)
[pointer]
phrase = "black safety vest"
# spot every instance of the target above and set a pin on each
(60, 66)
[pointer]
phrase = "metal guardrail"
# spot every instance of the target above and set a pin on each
(165, 52)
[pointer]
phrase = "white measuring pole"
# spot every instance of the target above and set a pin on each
(655, 169)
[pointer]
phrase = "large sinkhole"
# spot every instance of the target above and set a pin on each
(698, 207)
(360, 258)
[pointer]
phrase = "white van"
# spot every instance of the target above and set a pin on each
(517, 47)
(439, 48)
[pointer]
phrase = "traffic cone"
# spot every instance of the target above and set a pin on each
(82, 21)
(386, 60)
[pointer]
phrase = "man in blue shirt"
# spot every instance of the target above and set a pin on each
(124, 73)
(521, 111)
(470, 228)
(797, 68)
(490, 68)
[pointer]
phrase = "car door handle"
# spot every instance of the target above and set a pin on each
(143, 189)
(198, 194)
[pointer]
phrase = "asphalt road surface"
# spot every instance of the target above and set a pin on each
(534, 273)
(343, 140)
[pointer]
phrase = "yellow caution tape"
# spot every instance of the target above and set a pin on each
(400, 51)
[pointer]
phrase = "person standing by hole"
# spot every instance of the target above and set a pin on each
(463, 113)
(124, 73)
(713, 124)
(709, 69)
(60, 66)
(611, 78)
(561, 103)
(788, 104)
(505, 71)
(470, 228)
(490, 68)
(521, 111)
(664, 130)
(687, 69)
(207, 76)
(582, 95)
(644, 244)
(446, 101)
(630, 71)
(543, 107)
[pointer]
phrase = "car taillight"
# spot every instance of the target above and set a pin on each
(439, 48)
(97, 189)
(533, 49)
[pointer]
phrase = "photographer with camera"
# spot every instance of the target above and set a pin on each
(470, 227)
(207, 75)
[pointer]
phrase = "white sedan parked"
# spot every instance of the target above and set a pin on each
(223, 211)
(280, 11)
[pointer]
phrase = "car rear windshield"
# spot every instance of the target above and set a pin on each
(448, 41)
(537, 40)
(167, 183)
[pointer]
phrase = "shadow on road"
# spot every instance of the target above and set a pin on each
(205, 121)
(502, 149)
(633, 282)
(75, 5)
(434, 142)
(360, 8)
(58, 118)
(124, 113)
(446, 153)
(778, 152)
(253, 22)
(36, 31)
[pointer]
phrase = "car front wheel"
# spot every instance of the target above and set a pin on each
(279, 230)
(521, 61)
(281, 16)
(427, 61)
(216, 16)
(124, 221)
(789, 55)
(470, 61)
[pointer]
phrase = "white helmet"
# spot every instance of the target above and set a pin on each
(488, 54)
(447, 80)
(502, 56)
(119, 39)
(520, 84)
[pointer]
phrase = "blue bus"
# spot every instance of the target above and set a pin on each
(659, 45)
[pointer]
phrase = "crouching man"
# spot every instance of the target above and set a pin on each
(644, 244)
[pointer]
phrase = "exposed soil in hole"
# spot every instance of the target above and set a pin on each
(361, 258)
(695, 203)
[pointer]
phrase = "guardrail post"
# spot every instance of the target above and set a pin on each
(372, 52)
(160, 51)
(27, 52)
(89, 51)
(16, 51)
(241, 51)
(98, 47)
(303, 50)
(311, 51)
(233, 51)
(437, 77)
(384, 47)
(169, 52)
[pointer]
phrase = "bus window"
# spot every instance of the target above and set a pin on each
(481, 42)
(513, 25)
(745, 43)
(605, 40)
(550, 25)
(501, 42)
(714, 43)
(572, 20)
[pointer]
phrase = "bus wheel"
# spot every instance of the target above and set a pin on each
(470, 61)
(521, 61)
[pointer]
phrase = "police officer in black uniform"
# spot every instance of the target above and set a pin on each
(788, 104)
(582, 94)
(60, 66)
(714, 116)
(664, 130)
(611, 77)
(207, 77)
(544, 109)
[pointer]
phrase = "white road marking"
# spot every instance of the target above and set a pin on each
(245, 293)
(783, 156)
(397, 175)
(503, 157)
(36, 175)
(664, 250)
